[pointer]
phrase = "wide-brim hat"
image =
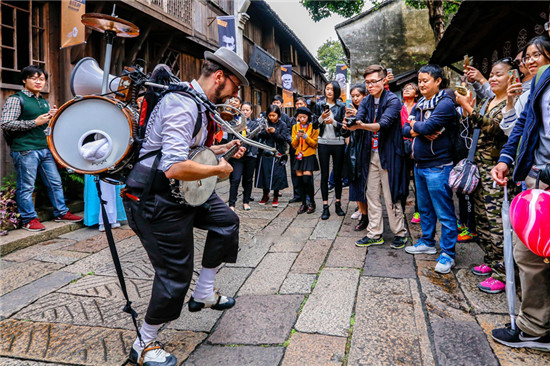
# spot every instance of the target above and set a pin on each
(231, 61)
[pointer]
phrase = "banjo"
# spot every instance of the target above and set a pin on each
(196, 192)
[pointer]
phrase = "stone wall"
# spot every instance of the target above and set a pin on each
(395, 36)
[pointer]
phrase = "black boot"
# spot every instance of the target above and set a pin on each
(311, 208)
(363, 223)
(326, 213)
(338, 209)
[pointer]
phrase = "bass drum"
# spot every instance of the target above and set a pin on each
(92, 135)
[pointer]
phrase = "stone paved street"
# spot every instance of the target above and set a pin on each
(306, 295)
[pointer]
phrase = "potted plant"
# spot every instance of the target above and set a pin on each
(9, 215)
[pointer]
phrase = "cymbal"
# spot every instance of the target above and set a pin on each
(102, 22)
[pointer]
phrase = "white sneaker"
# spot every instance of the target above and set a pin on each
(116, 225)
(356, 215)
(420, 248)
(444, 263)
(154, 356)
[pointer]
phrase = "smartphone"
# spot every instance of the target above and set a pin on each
(325, 107)
(515, 76)
(466, 61)
(462, 90)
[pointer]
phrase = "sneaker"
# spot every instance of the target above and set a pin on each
(516, 338)
(444, 263)
(399, 242)
(264, 200)
(34, 225)
(420, 248)
(214, 301)
(69, 217)
(492, 286)
(356, 215)
(465, 235)
(152, 355)
(460, 226)
(275, 202)
(416, 218)
(295, 199)
(116, 225)
(367, 242)
(330, 187)
(482, 270)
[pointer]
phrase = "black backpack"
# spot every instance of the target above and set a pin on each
(9, 136)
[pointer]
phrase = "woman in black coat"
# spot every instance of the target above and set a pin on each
(272, 175)
(331, 114)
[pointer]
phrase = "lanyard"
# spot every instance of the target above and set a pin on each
(302, 139)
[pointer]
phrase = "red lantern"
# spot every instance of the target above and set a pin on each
(529, 214)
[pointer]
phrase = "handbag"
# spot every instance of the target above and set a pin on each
(464, 176)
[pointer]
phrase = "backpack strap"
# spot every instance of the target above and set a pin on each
(198, 121)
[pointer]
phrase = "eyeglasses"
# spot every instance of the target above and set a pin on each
(37, 78)
(369, 83)
(409, 88)
(232, 82)
(535, 56)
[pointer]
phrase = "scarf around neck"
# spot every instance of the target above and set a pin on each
(424, 104)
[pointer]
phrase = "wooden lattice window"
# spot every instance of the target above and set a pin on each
(23, 39)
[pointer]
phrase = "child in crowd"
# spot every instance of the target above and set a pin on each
(304, 140)
(272, 175)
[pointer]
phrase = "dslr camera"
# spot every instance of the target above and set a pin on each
(351, 121)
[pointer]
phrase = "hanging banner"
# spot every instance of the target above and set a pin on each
(342, 79)
(72, 29)
(288, 87)
(227, 34)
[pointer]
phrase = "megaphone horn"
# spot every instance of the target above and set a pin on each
(87, 78)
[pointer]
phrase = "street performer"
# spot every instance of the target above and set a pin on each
(164, 226)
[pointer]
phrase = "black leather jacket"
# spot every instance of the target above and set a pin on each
(339, 112)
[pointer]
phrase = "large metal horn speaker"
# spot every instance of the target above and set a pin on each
(87, 78)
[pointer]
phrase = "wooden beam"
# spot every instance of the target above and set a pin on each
(157, 59)
(137, 47)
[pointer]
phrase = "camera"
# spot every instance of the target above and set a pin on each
(351, 121)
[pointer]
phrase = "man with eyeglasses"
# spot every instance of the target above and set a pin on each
(165, 226)
(380, 115)
(25, 116)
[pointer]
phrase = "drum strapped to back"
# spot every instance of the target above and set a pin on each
(92, 135)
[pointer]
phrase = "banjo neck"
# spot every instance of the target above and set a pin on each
(232, 151)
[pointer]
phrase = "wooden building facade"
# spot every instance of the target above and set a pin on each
(174, 32)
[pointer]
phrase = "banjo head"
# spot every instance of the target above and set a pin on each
(197, 192)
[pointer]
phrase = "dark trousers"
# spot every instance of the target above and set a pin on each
(243, 168)
(165, 229)
(466, 213)
(325, 152)
(293, 176)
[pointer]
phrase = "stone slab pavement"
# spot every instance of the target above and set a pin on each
(306, 295)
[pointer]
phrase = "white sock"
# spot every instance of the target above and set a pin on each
(205, 284)
(148, 333)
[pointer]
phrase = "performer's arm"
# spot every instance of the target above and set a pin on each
(190, 170)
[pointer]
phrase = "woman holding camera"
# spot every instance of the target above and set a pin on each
(331, 114)
(487, 200)
(355, 158)
(272, 175)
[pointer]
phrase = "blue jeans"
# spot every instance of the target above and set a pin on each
(27, 165)
(435, 202)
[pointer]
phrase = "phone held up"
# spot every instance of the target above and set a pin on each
(515, 76)
(350, 121)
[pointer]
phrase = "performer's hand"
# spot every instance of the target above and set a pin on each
(499, 173)
(239, 154)
(224, 169)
